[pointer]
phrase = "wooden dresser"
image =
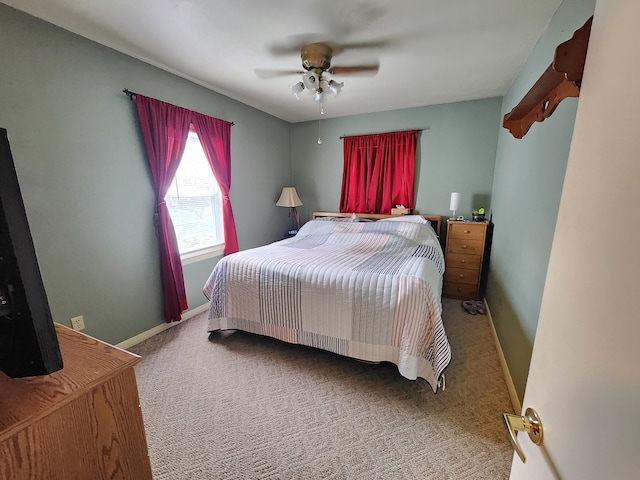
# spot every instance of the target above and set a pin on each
(466, 259)
(81, 422)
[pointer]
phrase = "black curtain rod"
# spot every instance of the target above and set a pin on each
(129, 93)
(380, 133)
(132, 95)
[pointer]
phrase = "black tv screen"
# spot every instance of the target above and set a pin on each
(28, 341)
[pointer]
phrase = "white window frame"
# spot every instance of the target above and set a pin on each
(201, 254)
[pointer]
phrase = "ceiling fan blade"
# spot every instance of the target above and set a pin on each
(267, 73)
(294, 43)
(383, 42)
(355, 69)
(345, 19)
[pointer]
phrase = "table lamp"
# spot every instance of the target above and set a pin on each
(454, 204)
(289, 198)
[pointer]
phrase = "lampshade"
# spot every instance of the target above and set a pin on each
(289, 198)
(454, 204)
(297, 89)
(335, 87)
(310, 80)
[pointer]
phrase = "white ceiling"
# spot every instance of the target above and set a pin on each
(441, 50)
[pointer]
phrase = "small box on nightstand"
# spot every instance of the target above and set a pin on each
(400, 211)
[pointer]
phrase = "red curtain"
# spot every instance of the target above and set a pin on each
(165, 128)
(215, 137)
(378, 172)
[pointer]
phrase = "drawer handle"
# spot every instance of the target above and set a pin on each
(467, 231)
(462, 275)
(464, 246)
(463, 261)
(459, 289)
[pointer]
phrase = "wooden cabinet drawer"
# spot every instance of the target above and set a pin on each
(466, 259)
(469, 230)
(460, 290)
(467, 246)
(461, 260)
(461, 275)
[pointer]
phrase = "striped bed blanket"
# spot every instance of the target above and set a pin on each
(369, 291)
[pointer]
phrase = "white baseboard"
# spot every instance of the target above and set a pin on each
(515, 401)
(161, 328)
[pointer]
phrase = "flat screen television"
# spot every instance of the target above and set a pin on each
(28, 341)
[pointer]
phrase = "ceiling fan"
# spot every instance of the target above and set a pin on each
(316, 63)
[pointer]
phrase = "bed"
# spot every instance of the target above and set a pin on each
(365, 289)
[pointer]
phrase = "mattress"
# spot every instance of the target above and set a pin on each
(369, 291)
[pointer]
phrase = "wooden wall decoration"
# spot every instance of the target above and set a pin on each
(560, 80)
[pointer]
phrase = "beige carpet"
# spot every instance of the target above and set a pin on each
(241, 406)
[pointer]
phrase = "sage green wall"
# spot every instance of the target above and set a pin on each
(84, 175)
(456, 153)
(527, 185)
(88, 195)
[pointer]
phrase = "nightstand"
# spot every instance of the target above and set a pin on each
(467, 259)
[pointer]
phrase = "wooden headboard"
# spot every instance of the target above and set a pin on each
(434, 220)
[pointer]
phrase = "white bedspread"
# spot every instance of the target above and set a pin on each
(370, 291)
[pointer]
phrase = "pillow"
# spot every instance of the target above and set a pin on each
(356, 218)
(337, 219)
(406, 218)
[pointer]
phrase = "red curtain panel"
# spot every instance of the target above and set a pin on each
(215, 137)
(165, 128)
(378, 172)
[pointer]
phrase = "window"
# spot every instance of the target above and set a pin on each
(378, 172)
(194, 202)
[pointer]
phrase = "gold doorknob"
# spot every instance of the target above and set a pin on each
(529, 423)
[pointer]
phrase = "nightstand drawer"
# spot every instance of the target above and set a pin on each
(467, 246)
(461, 260)
(473, 231)
(466, 259)
(461, 275)
(460, 290)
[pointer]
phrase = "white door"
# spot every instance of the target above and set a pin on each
(584, 379)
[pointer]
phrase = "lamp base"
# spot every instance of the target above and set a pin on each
(296, 217)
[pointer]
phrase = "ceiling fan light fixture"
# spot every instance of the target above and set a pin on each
(335, 87)
(311, 80)
(296, 89)
(316, 61)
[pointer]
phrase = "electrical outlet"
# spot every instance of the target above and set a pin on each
(77, 323)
